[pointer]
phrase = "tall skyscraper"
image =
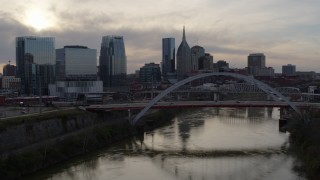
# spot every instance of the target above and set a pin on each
(35, 60)
(197, 52)
(76, 63)
(184, 65)
(168, 56)
(113, 62)
(256, 62)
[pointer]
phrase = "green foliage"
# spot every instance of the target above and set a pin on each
(103, 134)
(306, 145)
(17, 165)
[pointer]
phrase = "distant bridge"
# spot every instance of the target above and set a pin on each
(273, 93)
(251, 86)
(196, 104)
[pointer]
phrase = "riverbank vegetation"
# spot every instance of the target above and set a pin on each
(33, 118)
(305, 140)
(62, 148)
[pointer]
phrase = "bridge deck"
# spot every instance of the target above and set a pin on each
(195, 104)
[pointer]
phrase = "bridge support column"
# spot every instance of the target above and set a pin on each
(269, 98)
(129, 116)
(284, 112)
(283, 121)
(281, 112)
(216, 96)
(282, 125)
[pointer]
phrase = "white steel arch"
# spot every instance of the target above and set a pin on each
(264, 87)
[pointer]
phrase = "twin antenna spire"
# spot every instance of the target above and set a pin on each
(184, 34)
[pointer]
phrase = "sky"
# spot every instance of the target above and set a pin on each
(286, 31)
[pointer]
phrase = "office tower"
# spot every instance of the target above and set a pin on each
(206, 62)
(35, 60)
(76, 63)
(197, 52)
(256, 62)
(221, 66)
(9, 70)
(10, 83)
(150, 75)
(289, 70)
(266, 71)
(113, 61)
(168, 57)
(184, 65)
(76, 69)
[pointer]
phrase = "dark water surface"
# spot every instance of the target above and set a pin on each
(210, 143)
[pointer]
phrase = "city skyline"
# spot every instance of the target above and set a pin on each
(287, 32)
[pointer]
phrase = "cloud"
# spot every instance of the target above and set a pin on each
(287, 31)
(9, 27)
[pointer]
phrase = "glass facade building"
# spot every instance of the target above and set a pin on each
(35, 60)
(150, 75)
(113, 62)
(76, 69)
(256, 62)
(76, 63)
(168, 56)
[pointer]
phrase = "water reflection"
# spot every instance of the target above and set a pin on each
(256, 112)
(226, 168)
(211, 143)
(186, 123)
(269, 112)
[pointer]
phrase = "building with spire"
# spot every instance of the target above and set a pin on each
(184, 65)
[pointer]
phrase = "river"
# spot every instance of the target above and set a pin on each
(209, 143)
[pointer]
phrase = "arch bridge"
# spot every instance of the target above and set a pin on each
(276, 95)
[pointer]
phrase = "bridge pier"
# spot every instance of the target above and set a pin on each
(283, 125)
(284, 118)
(129, 116)
(216, 96)
(269, 98)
